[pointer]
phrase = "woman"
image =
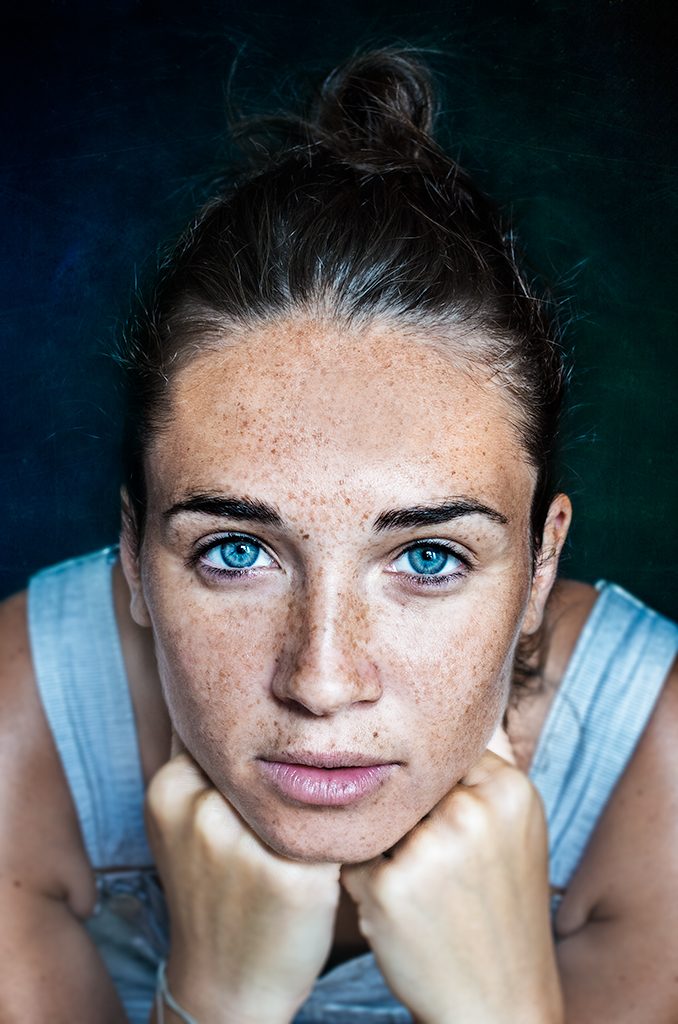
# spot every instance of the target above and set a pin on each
(339, 533)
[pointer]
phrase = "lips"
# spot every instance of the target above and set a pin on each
(331, 759)
(333, 779)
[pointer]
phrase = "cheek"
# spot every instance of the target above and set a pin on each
(451, 672)
(216, 660)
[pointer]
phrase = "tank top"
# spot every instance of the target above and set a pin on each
(610, 686)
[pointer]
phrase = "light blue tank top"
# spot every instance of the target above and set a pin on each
(610, 687)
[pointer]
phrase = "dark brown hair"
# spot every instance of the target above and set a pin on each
(351, 211)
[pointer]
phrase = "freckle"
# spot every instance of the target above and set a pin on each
(16, 883)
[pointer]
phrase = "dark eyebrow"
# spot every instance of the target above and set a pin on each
(231, 508)
(393, 519)
(429, 515)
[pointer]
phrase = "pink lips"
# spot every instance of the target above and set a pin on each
(325, 780)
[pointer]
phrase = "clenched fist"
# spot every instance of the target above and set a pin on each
(458, 914)
(250, 930)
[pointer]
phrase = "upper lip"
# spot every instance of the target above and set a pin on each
(329, 759)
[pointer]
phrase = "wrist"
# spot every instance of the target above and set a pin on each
(185, 999)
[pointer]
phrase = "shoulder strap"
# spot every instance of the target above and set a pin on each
(606, 697)
(81, 678)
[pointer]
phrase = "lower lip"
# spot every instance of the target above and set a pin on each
(325, 787)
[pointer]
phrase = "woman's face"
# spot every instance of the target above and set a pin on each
(336, 567)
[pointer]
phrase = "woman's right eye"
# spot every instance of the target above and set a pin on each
(235, 556)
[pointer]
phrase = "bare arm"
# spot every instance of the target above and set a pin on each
(617, 923)
(52, 970)
(619, 920)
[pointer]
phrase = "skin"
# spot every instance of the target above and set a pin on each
(341, 651)
(615, 927)
(332, 643)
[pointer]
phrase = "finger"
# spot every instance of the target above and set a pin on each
(357, 878)
(500, 744)
(179, 753)
(177, 745)
(354, 880)
(177, 784)
(485, 768)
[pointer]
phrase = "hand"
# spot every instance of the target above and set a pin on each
(250, 930)
(457, 914)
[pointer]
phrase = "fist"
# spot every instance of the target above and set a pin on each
(250, 930)
(458, 914)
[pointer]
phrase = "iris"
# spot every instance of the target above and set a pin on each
(427, 560)
(238, 554)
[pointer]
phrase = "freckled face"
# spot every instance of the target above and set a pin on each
(332, 627)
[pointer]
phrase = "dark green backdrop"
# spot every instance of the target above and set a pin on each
(113, 117)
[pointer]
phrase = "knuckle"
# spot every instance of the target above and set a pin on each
(517, 796)
(390, 884)
(469, 813)
(209, 818)
(160, 795)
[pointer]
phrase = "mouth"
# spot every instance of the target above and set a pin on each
(333, 779)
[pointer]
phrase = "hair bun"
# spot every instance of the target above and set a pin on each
(377, 108)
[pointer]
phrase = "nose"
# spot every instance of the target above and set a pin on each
(325, 668)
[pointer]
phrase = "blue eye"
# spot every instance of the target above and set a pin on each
(236, 554)
(429, 560)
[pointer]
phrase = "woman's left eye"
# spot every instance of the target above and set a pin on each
(429, 563)
(236, 555)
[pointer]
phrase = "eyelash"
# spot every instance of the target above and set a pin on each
(196, 559)
(418, 580)
(423, 581)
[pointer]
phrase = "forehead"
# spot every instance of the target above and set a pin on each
(310, 404)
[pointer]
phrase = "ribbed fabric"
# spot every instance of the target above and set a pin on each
(611, 685)
(607, 694)
(81, 677)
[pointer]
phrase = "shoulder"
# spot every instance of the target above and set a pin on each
(631, 858)
(618, 920)
(40, 843)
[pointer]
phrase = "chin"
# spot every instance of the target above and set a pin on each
(334, 842)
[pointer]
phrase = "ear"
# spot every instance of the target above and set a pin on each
(129, 559)
(555, 531)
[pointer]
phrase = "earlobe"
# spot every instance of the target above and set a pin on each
(129, 560)
(555, 532)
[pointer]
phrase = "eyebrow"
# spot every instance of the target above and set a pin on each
(227, 508)
(393, 519)
(441, 512)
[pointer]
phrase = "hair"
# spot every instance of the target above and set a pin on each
(351, 211)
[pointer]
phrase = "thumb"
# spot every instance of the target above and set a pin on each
(500, 744)
(177, 745)
(175, 785)
(356, 879)
(185, 770)
(488, 765)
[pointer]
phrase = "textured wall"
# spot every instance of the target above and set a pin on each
(113, 117)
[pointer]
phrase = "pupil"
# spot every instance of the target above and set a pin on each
(240, 554)
(427, 560)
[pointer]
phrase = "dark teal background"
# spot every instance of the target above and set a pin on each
(113, 120)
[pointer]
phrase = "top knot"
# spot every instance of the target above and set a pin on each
(377, 109)
(375, 113)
